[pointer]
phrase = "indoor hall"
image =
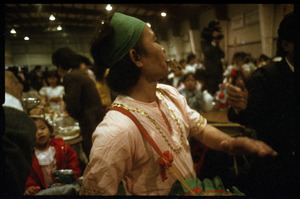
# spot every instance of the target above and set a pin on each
(209, 58)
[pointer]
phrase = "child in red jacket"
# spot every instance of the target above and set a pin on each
(50, 154)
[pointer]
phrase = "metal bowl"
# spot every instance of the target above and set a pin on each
(64, 175)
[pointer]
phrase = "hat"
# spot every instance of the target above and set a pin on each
(126, 32)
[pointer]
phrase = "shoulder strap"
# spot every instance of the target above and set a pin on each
(140, 127)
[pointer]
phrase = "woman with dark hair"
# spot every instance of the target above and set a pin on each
(82, 100)
(136, 62)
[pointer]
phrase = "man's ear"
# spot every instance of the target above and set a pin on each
(135, 58)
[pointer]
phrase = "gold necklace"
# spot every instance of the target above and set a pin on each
(155, 123)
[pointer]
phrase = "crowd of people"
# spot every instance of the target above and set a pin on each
(242, 66)
(130, 81)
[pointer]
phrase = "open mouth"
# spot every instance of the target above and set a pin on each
(42, 138)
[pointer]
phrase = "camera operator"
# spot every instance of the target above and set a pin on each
(213, 54)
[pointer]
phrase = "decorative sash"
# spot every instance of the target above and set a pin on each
(166, 158)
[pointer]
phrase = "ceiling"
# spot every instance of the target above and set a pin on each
(33, 19)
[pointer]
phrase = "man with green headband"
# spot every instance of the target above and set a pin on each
(136, 62)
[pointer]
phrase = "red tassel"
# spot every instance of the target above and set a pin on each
(165, 162)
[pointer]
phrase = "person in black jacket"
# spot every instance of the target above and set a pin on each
(17, 141)
(213, 54)
(267, 103)
(82, 100)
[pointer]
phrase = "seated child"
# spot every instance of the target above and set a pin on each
(192, 95)
(50, 154)
(194, 98)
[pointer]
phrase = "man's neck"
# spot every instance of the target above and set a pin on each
(64, 73)
(145, 92)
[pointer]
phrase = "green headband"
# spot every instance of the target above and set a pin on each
(126, 32)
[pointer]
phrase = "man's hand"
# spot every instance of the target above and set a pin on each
(245, 145)
(237, 95)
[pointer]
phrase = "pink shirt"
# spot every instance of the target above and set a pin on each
(121, 152)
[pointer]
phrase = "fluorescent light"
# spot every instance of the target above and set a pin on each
(13, 31)
(108, 7)
(52, 18)
(163, 14)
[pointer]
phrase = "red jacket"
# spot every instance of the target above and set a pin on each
(66, 158)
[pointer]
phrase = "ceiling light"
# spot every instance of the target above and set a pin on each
(13, 31)
(52, 18)
(163, 14)
(59, 27)
(26, 38)
(148, 24)
(108, 7)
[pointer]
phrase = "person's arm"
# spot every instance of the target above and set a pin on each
(218, 140)
(43, 100)
(33, 181)
(73, 90)
(111, 158)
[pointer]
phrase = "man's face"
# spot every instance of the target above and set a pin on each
(154, 65)
(288, 47)
(60, 71)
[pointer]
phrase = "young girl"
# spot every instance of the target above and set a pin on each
(50, 154)
(193, 96)
(53, 93)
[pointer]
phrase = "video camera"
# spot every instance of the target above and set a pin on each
(207, 31)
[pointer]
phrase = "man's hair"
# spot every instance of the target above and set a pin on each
(66, 58)
(286, 31)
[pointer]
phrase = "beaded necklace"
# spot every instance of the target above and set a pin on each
(176, 150)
